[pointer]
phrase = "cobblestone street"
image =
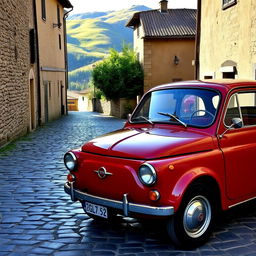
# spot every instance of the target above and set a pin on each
(38, 218)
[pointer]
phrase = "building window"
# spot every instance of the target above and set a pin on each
(242, 105)
(58, 16)
(32, 46)
(50, 90)
(228, 75)
(229, 70)
(43, 9)
(209, 75)
(138, 31)
(138, 56)
(60, 42)
(58, 88)
(228, 3)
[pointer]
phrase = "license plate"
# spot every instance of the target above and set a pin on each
(97, 210)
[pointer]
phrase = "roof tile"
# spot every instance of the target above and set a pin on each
(175, 23)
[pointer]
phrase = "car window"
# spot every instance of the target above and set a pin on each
(242, 105)
(163, 102)
(181, 106)
(232, 110)
(247, 103)
(192, 104)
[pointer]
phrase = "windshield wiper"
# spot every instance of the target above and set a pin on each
(146, 119)
(174, 117)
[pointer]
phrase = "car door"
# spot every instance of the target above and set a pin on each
(239, 145)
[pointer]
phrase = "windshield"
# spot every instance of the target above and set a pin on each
(194, 107)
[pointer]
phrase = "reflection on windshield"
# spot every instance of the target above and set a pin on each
(194, 107)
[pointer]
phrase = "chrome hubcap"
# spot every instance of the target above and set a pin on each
(197, 216)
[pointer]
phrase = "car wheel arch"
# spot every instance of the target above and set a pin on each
(191, 178)
(192, 224)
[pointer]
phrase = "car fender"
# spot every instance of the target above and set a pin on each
(187, 179)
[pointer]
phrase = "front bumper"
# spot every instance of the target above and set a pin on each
(124, 205)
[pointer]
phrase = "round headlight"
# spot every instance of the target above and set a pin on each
(147, 174)
(70, 161)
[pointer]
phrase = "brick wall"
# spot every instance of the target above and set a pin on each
(14, 66)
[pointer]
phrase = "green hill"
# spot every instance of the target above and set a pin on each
(89, 37)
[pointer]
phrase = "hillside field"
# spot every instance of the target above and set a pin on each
(89, 38)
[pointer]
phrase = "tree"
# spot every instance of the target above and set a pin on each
(120, 75)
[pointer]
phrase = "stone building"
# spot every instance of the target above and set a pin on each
(33, 77)
(227, 39)
(164, 40)
(14, 69)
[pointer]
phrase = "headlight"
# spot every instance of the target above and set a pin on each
(147, 174)
(70, 161)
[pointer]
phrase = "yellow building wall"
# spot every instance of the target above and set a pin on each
(138, 43)
(52, 60)
(159, 67)
(157, 56)
(228, 34)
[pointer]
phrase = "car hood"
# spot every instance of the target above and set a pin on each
(149, 143)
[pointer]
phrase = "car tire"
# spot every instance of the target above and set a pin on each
(192, 224)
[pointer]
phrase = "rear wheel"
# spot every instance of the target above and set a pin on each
(192, 224)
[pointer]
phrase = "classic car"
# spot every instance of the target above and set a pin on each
(185, 154)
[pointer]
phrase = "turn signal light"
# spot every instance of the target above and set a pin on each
(71, 177)
(154, 195)
(171, 167)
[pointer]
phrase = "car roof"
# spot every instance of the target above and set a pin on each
(219, 84)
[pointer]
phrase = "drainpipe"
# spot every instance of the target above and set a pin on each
(198, 39)
(66, 54)
(38, 67)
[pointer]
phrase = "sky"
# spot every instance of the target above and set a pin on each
(81, 6)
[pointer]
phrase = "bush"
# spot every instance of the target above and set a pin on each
(120, 75)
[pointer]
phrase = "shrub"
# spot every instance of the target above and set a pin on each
(120, 75)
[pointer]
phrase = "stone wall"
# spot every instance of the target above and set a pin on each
(14, 67)
(119, 108)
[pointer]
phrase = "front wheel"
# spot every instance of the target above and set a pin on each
(192, 224)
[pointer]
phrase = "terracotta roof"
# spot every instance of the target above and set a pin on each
(175, 23)
(65, 3)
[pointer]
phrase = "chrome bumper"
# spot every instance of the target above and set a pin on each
(124, 205)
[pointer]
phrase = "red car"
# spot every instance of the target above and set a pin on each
(186, 152)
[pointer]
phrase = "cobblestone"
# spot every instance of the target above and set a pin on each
(38, 218)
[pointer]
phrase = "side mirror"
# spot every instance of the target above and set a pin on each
(236, 123)
(129, 117)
